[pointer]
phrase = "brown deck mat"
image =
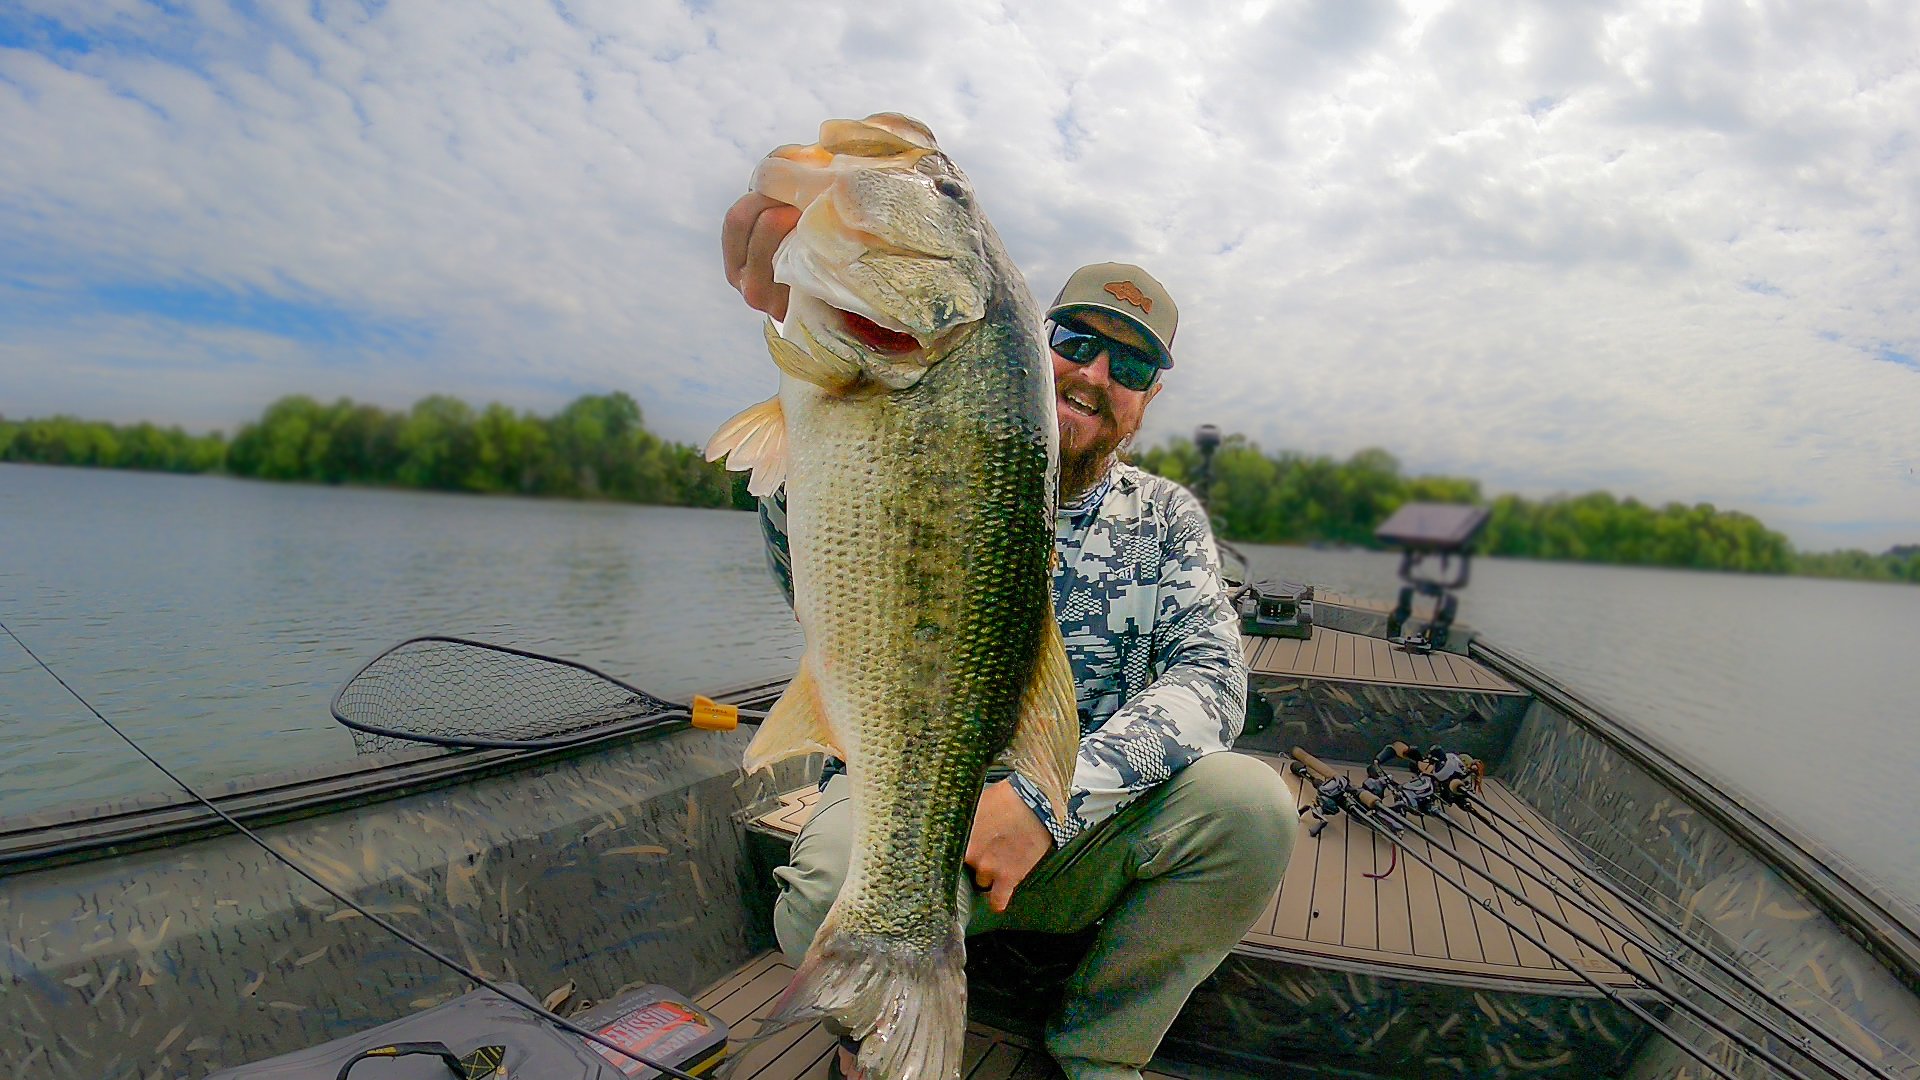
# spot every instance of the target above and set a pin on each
(800, 1052)
(1409, 922)
(1337, 656)
(1328, 909)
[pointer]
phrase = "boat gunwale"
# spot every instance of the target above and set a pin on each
(1571, 986)
(71, 834)
(1863, 910)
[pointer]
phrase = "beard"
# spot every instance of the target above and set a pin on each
(1084, 460)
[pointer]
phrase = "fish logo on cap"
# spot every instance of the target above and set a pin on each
(1128, 291)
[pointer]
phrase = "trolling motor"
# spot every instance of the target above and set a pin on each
(1445, 531)
(1268, 608)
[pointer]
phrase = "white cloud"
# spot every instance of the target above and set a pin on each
(1664, 249)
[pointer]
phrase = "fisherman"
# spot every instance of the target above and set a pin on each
(1170, 845)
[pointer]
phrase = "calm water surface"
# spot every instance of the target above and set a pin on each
(213, 618)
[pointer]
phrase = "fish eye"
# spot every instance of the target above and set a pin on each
(950, 188)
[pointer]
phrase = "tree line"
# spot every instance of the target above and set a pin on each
(67, 440)
(1292, 498)
(598, 447)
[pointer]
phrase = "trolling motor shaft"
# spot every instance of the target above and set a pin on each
(1443, 532)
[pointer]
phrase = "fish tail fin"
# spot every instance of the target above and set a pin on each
(906, 1004)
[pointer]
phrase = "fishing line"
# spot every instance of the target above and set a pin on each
(454, 965)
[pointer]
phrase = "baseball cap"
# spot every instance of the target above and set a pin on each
(1125, 290)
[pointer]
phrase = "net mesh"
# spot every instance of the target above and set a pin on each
(452, 692)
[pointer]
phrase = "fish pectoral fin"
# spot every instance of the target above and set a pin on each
(754, 439)
(827, 372)
(1046, 741)
(797, 724)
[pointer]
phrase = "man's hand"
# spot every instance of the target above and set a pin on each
(753, 229)
(1008, 842)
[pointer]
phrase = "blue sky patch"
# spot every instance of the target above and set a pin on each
(1891, 355)
(39, 34)
(310, 321)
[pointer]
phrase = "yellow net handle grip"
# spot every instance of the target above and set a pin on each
(711, 715)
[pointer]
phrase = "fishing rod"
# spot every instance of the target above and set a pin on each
(1462, 774)
(1479, 808)
(1372, 810)
(1670, 961)
(427, 950)
(1364, 815)
(1450, 779)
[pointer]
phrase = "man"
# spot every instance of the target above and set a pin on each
(1170, 845)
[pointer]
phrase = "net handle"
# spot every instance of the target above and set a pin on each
(664, 711)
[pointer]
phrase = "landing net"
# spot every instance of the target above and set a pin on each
(455, 692)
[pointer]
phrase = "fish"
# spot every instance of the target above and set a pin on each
(916, 435)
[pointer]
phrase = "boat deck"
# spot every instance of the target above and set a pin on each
(800, 1052)
(1329, 912)
(1337, 656)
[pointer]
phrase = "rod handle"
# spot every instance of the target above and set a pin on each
(1321, 772)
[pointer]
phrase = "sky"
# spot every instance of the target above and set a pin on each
(1663, 249)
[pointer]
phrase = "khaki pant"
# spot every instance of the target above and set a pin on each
(1177, 877)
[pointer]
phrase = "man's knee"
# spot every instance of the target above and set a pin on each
(814, 873)
(796, 917)
(1248, 809)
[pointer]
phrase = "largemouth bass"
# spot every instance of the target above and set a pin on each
(915, 431)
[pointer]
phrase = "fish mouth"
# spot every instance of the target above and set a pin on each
(871, 335)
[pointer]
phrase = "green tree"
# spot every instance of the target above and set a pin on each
(437, 445)
(1295, 498)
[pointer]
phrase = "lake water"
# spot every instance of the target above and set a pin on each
(213, 619)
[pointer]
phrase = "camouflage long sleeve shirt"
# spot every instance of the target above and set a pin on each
(1153, 643)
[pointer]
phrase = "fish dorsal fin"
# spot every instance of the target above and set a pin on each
(755, 439)
(797, 724)
(1046, 741)
(828, 373)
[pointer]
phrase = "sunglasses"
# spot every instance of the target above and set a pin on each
(1133, 368)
